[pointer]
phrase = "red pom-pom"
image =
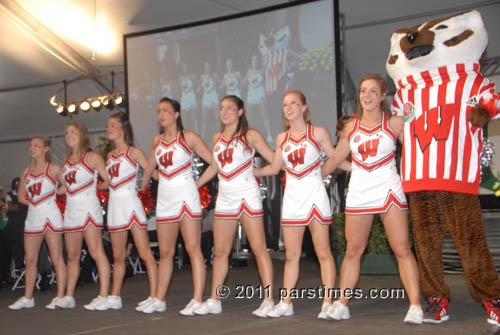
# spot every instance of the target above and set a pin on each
(61, 202)
(283, 180)
(205, 196)
(353, 116)
(103, 196)
(147, 200)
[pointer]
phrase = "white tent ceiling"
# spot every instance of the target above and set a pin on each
(25, 111)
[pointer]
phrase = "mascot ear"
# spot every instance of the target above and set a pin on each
(478, 116)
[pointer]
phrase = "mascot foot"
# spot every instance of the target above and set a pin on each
(492, 311)
(437, 310)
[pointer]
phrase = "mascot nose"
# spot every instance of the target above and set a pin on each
(412, 37)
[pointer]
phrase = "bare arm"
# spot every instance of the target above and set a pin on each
(195, 142)
(396, 123)
(21, 189)
(341, 152)
(97, 162)
(211, 171)
(257, 141)
(151, 165)
(56, 171)
(277, 161)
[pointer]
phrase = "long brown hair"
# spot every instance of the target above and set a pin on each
(384, 107)
(177, 108)
(84, 144)
(242, 119)
(302, 98)
(128, 134)
(46, 141)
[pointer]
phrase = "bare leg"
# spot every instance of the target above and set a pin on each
(32, 246)
(292, 238)
(141, 240)
(167, 240)
(321, 239)
(55, 244)
(191, 233)
(73, 243)
(93, 239)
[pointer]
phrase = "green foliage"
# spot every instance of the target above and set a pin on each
(317, 60)
(377, 241)
(103, 147)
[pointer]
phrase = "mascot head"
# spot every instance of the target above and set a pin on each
(461, 38)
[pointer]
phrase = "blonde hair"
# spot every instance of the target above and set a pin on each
(84, 144)
(46, 141)
(302, 98)
(384, 107)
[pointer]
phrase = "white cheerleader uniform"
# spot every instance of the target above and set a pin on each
(82, 205)
(375, 184)
(188, 99)
(305, 196)
(256, 92)
(124, 206)
(232, 84)
(238, 190)
(177, 191)
(43, 212)
(209, 92)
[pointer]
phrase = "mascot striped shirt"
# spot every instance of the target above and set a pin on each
(441, 148)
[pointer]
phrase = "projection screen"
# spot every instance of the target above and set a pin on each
(256, 55)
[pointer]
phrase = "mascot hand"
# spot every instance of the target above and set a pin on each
(478, 116)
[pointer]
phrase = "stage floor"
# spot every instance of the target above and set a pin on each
(368, 316)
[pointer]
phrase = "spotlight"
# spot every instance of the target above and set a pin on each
(72, 108)
(52, 100)
(118, 99)
(107, 102)
(96, 104)
(60, 108)
(85, 106)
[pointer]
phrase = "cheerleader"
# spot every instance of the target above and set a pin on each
(256, 95)
(305, 201)
(187, 83)
(210, 101)
(178, 202)
(83, 215)
(374, 188)
(39, 181)
(238, 200)
(125, 210)
(231, 80)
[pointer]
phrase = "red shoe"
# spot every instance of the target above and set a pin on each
(437, 310)
(492, 311)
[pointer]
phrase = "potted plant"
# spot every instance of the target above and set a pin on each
(378, 257)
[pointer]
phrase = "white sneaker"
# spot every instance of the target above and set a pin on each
(415, 315)
(190, 307)
(265, 307)
(155, 306)
(325, 308)
(338, 312)
(23, 302)
(66, 302)
(111, 302)
(53, 303)
(210, 306)
(281, 309)
(145, 301)
(94, 303)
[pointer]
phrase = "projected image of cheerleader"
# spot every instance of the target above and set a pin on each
(256, 95)
(167, 86)
(178, 202)
(232, 80)
(209, 102)
(305, 201)
(83, 217)
(44, 221)
(374, 188)
(188, 84)
(125, 210)
(238, 200)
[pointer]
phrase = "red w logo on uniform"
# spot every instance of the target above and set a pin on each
(433, 124)
(368, 148)
(166, 159)
(35, 189)
(70, 177)
(297, 156)
(114, 170)
(225, 157)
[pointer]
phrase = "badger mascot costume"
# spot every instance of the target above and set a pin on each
(445, 102)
